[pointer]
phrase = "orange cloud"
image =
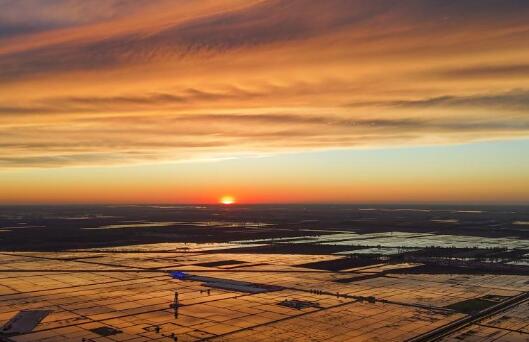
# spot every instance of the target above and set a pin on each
(113, 82)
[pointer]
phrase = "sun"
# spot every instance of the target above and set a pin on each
(227, 200)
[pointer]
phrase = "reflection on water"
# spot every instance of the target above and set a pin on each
(21, 226)
(378, 251)
(404, 240)
(226, 224)
(134, 225)
(522, 223)
(144, 224)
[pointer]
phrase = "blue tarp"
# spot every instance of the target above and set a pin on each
(178, 275)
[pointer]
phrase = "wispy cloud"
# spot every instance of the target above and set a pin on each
(487, 71)
(116, 82)
(511, 100)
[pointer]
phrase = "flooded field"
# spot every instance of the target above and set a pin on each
(126, 293)
(407, 240)
(263, 274)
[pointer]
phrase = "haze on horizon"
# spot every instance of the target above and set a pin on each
(271, 101)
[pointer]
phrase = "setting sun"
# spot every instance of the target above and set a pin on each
(227, 200)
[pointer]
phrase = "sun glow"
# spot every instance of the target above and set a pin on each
(227, 200)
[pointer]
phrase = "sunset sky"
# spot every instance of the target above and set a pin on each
(285, 101)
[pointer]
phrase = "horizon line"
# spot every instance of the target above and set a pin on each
(239, 204)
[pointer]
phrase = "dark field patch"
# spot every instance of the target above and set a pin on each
(294, 248)
(359, 278)
(339, 264)
(472, 306)
(105, 331)
(469, 269)
(299, 304)
(221, 263)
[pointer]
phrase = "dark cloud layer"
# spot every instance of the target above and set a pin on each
(274, 21)
(515, 99)
(487, 71)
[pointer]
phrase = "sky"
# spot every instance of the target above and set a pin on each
(270, 101)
